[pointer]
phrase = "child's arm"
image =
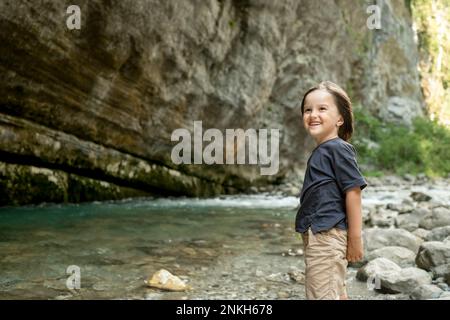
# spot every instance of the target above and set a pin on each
(354, 219)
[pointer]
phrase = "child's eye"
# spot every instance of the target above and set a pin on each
(308, 110)
(323, 108)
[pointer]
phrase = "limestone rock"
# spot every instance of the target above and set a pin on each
(404, 281)
(375, 268)
(400, 255)
(432, 254)
(426, 291)
(438, 234)
(375, 238)
(410, 221)
(438, 217)
(105, 99)
(163, 279)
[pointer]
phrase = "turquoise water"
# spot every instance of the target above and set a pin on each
(117, 245)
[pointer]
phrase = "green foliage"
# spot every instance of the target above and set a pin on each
(387, 147)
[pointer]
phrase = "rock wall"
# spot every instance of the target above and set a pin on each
(101, 102)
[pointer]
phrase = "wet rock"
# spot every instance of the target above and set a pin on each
(420, 196)
(438, 234)
(283, 295)
(438, 217)
(278, 277)
(297, 275)
(375, 268)
(404, 281)
(163, 279)
(375, 238)
(400, 255)
(408, 177)
(426, 291)
(410, 221)
(432, 254)
(153, 296)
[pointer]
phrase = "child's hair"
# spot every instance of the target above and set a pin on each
(343, 104)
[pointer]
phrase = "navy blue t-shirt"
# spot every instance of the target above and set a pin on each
(331, 171)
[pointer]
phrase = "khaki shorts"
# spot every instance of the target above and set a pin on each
(326, 264)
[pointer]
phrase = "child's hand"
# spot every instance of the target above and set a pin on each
(354, 249)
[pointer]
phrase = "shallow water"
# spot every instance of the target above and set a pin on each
(234, 247)
(118, 245)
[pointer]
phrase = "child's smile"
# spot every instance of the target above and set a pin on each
(321, 117)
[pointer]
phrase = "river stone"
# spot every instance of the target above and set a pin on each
(163, 279)
(383, 218)
(438, 234)
(400, 255)
(403, 281)
(375, 268)
(444, 296)
(375, 238)
(438, 217)
(420, 196)
(432, 254)
(410, 221)
(401, 208)
(442, 272)
(421, 233)
(426, 291)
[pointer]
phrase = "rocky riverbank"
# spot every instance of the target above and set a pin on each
(230, 247)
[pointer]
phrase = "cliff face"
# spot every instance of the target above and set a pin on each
(97, 106)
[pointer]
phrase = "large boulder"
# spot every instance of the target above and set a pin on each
(410, 221)
(438, 234)
(438, 217)
(404, 281)
(375, 268)
(400, 255)
(433, 254)
(391, 278)
(426, 291)
(375, 238)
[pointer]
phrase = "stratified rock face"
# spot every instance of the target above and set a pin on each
(103, 101)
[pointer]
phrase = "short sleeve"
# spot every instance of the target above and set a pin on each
(346, 168)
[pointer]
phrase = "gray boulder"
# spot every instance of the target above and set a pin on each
(438, 234)
(410, 221)
(403, 281)
(433, 254)
(383, 218)
(426, 291)
(438, 217)
(400, 255)
(375, 268)
(375, 238)
(421, 233)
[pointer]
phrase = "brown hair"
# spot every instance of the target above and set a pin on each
(343, 104)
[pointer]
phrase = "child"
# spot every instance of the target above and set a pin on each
(329, 217)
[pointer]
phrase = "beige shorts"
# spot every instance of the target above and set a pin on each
(326, 264)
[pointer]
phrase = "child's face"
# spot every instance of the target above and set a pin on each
(321, 117)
